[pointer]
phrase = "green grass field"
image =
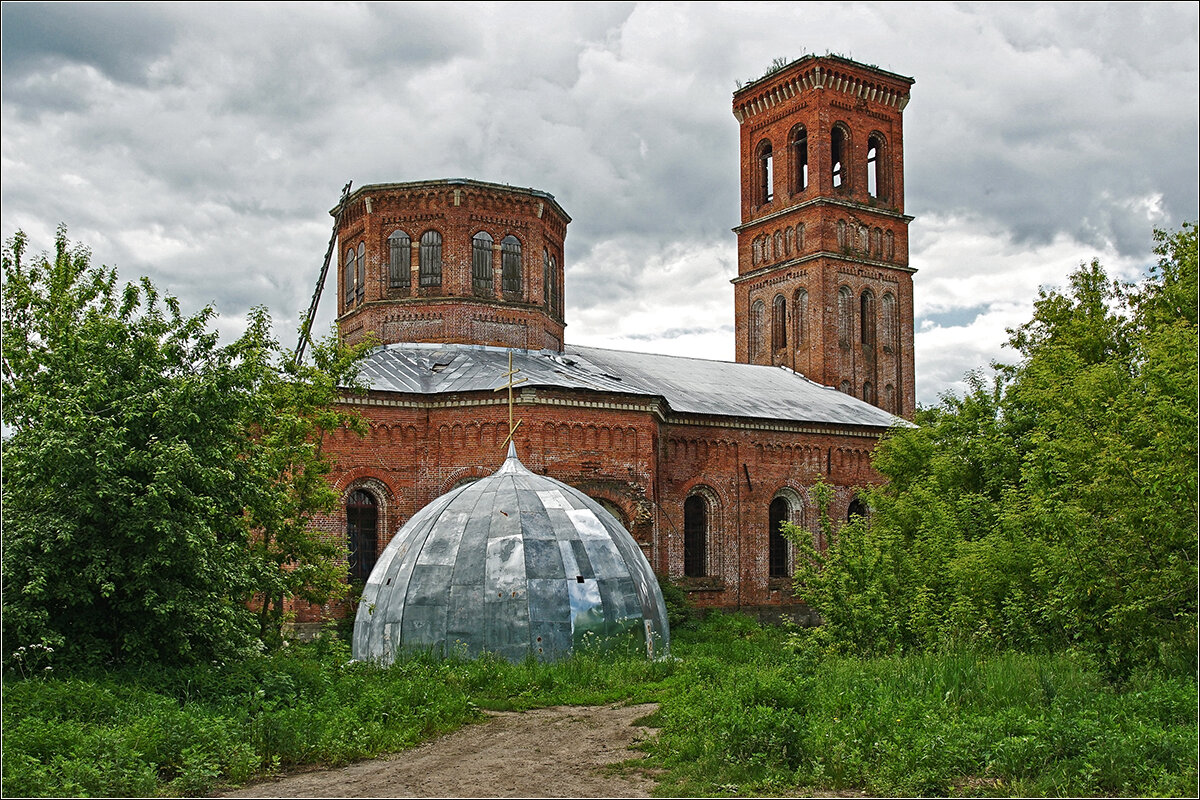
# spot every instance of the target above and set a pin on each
(744, 710)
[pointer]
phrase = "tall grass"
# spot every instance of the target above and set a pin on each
(743, 711)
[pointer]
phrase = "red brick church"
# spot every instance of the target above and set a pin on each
(701, 460)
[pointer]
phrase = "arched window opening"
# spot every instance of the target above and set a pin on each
(695, 536)
(778, 245)
(889, 398)
(845, 317)
(362, 538)
(857, 509)
(756, 256)
(556, 299)
(845, 388)
(431, 259)
(399, 260)
(766, 173)
(799, 147)
(615, 510)
(349, 272)
(868, 393)
(510, 264)
(841, 234)
(866, 318)
(789, 240)
(757, 312)
(875, 173)
(360, 272)
(877, 243)
(546, 279)
(837, 156)
(890, 332)
(863, 238)
(779, 323)
(777, 514)
(801, 312)
(481, 263)
(800, 237)
(889, 239)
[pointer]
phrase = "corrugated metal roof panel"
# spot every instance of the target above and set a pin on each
(688, 385)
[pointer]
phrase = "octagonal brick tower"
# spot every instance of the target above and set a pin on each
(824, 286)
(453, 261)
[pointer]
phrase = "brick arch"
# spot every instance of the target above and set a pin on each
(461, 474)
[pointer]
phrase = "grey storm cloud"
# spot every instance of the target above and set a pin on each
(204, 144)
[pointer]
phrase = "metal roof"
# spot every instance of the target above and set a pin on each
(517, 564)
(687, 385)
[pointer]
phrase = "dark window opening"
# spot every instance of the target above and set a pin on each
(801, 312)
(837, 156)
(866, 318)
(779, 323)
(431, 259)
(695, 535)
(510, 264)
(766, 174)
(799, 159)
(777, 515)
(360, 281)
(399, 261)
(857, 509)
(349, 271)
(845, 316)
(875, 173)
(362, 519)
(481, 263)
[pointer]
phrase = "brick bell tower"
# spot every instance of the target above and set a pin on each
(824, 286)
(455, 261)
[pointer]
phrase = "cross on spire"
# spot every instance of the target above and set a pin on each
(509, 385)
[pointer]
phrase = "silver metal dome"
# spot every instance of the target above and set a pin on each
(516, 564)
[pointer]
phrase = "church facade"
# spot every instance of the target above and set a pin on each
(700, 460)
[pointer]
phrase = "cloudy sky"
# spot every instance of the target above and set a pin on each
(204, 144)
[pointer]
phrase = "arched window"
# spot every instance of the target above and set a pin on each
(349, 273)
(757, 312)
(789, 241)
(875, 173)
(866, 318)
(766, 173)
(798, 144)
(510, 264)
(778, 513)
(801, 315)
(779, 323)
(800, 237)
(877, 243)
(767, 254)
(846, 388)
(869, 392)
(362, 537)
(756, 256)
(431, 259)
(482, 279)
(778, 245)
(889, 398)
(556, 298)
(890, 243)
(399, 260)
(841, 234)
(695, 536)
(857, 509)
(360, 271)
(888, 324)
(845, 317)
(546, 279)
(839, 144)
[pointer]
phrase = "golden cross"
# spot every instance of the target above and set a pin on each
(511, 383)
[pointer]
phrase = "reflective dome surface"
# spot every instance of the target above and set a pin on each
(516, 564)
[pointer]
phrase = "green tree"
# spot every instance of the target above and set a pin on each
(1053, 504)
(154, 481)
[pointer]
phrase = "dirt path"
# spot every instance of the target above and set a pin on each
(548, 752)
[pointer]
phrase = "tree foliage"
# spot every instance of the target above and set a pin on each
(154, 481)
(1054, 503)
